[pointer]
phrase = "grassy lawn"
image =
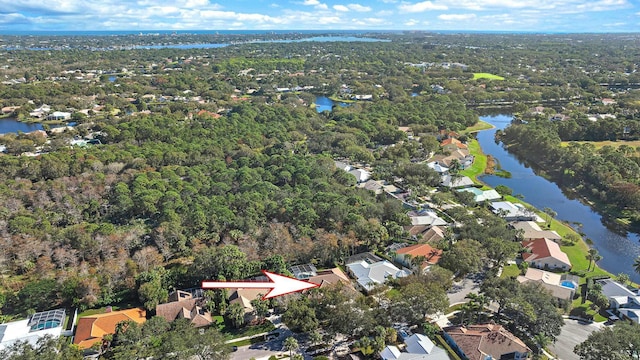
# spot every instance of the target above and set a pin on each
(510, 270)
(580, 309)
(486, 76)
(248, 331)
(600, 144)
(454, 308)
(479, 126)
(479, 164)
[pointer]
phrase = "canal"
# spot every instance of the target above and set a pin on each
(618, 249)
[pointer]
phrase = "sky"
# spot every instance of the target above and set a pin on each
(470, 15)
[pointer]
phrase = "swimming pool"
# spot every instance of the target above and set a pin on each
(568, 284)
(49, 324)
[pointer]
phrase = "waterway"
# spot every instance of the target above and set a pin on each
(618, 249)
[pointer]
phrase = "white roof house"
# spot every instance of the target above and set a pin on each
(426, 218)
(342, 166)
(624, 301)
(480, 195)
(513, 212)
(368, 275)
(463, 181)
(32, 329)
(438, 168)
(418, 347)
(360, 174)
(531, 230)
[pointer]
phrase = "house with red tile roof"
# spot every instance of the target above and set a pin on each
(545, 254)
(486, 342)
(430, 255)
(91, 329)
(453, 144)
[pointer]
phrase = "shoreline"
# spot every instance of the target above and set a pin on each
(580, 248)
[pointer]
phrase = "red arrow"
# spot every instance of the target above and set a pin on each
(279, 285)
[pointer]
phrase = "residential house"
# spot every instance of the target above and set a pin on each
(485, 342)
(561, 286)
(304, 271)
(183, 304)
(559, 117)
(513, 212)
(91, 329)
(342, 166)
(482, 195)
(244, 297)
(40, 112)
(607, 101)
(59, 115)
(624, 302)
(452, 144)
(330, 277)
(437, 167)
(530, 230)
(373, 185)
(37, 326)
(417, 347)
(545, 254)
(370, 274)
(538, 110)
(361, 175)
(434, 234)
(9, 109)
(429, 254)
(456, 182)
(422, 220)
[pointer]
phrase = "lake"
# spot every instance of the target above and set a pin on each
(12, 125)
(323, 103)
(618, 250)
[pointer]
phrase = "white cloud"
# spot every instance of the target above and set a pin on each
(310, 2)
(359, 8)
(340, 8)
(421, 7)
(411, 22)
(322, 7)
(456, 17)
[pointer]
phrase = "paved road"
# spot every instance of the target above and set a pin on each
(573, 333)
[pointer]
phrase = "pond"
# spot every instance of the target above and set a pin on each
(323, 103)
(618, 249)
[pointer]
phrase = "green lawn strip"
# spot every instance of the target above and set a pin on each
(510, 270)
(335, 98)
(479, 126)
(479, 163)
(487, 76)
(453, 308)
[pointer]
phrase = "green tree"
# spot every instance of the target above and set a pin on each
(593, 257)
(291, 345)
(619, 342)
(467, 256)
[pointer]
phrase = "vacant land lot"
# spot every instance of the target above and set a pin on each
(487, 76)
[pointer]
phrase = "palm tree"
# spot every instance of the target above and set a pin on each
(591, 256)
(550, 215)
(542, 341)
(636, 265)
(291, 344)
(235, 312)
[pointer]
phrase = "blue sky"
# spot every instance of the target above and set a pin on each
(492, 15)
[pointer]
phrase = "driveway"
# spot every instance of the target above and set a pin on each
(462, 288)
(573, 333)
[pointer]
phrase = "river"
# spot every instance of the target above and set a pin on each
(618, 250)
